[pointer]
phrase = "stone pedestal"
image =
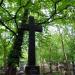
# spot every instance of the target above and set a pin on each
(32, 70)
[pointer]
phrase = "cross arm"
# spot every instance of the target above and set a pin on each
(37, 28)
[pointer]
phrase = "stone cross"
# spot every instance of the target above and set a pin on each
(32, 28)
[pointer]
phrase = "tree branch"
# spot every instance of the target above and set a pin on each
(6, 11)
(7, 27)
(1, 2)
(57, 19)
(64, 8)
(54, 13)
(47, 19)
(10, 19)
(18, 11)
(56, 1)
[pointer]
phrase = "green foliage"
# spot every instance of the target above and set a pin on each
(58, 13)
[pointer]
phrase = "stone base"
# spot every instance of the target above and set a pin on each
(32, 70)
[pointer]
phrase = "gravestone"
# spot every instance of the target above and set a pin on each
(31, 68)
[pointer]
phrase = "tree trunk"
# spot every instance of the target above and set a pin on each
(5, 57)
(50, 67)
(15, 54)
(73, 65)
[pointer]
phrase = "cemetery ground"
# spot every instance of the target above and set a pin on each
(47, 68)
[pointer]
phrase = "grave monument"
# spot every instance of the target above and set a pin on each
(31, 68)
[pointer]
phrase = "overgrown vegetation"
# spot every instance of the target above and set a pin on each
(57, 41)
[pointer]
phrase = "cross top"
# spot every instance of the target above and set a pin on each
(32, 24)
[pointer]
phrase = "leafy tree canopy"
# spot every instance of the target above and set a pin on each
(59, 13)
